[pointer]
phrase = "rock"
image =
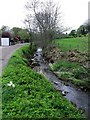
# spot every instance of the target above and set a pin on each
(36, 54)
(71, 54)
(65, 93)
(51, 61)
(55, 82)
(82, 87)
(48, 58)
(32, 60)
(66, 84)
(35, 64)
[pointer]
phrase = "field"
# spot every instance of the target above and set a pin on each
(72, 63)
(79, 43)
(27, 94)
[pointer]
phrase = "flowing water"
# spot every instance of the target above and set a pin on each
(70, 92)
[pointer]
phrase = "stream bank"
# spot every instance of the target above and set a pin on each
(76, 96)
(71, 65)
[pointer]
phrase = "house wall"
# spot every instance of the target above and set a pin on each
(4, 42)
(0, 41)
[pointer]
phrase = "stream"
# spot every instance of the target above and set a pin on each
(70, 92)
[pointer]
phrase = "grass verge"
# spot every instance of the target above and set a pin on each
(27, 94)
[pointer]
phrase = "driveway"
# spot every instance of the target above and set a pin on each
(5, 54)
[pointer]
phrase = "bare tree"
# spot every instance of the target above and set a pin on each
(44, 18)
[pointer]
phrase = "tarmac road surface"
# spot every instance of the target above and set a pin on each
(5, 54)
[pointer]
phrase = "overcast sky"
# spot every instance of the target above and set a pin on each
(12, 12)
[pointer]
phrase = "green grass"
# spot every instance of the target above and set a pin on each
(72, 72)
(79, 43)
(63, 63)
(33, 95)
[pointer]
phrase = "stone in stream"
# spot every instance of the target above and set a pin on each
(35, 64)
(39, 50)
(66, 84)
(51, 61)
(64, 93)
(32, 60)
(46, 69)
(55, 82)
(36, 54)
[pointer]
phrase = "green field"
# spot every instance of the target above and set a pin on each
(79, 43)
(31, 95)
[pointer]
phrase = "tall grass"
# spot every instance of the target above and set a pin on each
(72, 72)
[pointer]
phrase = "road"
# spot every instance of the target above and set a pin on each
(5, 54)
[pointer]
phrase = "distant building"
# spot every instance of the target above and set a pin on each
(5, 39)
(0, 40)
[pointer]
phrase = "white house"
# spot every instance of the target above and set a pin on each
(4, 42)
(5, 39)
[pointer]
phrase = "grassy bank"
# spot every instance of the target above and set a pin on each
(72, 64)
(72, 72)
(27, 94)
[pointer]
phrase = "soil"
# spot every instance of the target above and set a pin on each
(53, 54)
